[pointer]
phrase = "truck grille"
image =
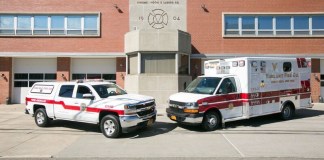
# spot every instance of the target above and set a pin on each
(146, 112)
(144, 105)
(174, 106)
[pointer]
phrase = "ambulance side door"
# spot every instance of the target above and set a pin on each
(230, 91)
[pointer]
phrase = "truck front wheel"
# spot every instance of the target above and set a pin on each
(110, 126)
(211, 121)
(41, 118)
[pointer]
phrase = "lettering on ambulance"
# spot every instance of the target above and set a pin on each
(69, 107)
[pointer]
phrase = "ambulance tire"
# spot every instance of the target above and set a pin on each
(110, 126)
(41, 118)
(287, 112)
(211, 121)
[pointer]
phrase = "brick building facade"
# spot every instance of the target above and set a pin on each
(30, 53)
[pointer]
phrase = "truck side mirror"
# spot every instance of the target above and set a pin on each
(88, 96)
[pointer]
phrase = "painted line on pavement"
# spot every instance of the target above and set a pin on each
(233, 145)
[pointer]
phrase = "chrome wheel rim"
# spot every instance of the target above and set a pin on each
(40, 118)
(212, 121)
(109, 127)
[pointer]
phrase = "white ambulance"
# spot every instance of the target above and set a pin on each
(241, 88)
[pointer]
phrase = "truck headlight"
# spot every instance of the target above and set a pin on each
(129, 110)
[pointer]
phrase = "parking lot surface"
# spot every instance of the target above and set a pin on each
(263, 137)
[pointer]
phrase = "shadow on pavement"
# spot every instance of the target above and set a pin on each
(262, 120)
(158, 128)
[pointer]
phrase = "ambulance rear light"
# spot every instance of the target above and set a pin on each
(234, 64)
(242, 63)
(263, 63)
(309, 64)
(254, 64)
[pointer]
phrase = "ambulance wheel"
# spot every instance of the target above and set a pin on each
(110, 126)
(41, 118)
(211, 121)
(287, 112)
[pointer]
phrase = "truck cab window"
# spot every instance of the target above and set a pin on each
(66, 91)
(82, 90)
(228, 86)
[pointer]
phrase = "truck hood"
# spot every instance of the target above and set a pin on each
(118, 100)
(187, 97)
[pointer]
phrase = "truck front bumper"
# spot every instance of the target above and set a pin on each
(130, 123)
(187, 118)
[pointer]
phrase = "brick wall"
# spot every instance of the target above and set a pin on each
(206, 27)
(63, 68)
(316, 80)
(5, 78)
(120, 71)
(114, 25)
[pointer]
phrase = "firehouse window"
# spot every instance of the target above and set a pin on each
(248, 25)
(82, 90)
(107, 77)
(66, 91)
(28, 79)
(24, 25)
(286, 66)
(277, 25)
(6, 25)
(86, 24)
(228, 86)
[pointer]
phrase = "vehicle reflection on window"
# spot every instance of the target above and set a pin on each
(106, 90)
(203, 85)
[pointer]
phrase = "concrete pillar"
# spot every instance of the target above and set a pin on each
(5, 79)
(315, 80)
(120, 71)
(63, 69)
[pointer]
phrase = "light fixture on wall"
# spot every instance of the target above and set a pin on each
(203, 6)
(118, 9)
(3, 76)
(121, 65)
(316, 77)
(122, 76)
(63, 77)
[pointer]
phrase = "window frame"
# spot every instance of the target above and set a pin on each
(49, 31)
(283, 32)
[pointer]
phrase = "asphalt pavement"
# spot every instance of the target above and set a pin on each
(266, 137)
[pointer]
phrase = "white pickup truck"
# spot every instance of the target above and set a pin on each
(102, 103)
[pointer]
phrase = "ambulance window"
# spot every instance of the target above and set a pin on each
(228, 86)
(66, 91)
(286, 66)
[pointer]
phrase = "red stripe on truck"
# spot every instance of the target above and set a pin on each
(71, 107)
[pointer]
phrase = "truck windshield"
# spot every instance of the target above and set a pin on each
(203, 85)
(106, 90)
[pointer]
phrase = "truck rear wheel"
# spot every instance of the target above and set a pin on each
(287, 112)
(110, 126)
(41, 118)
(211, 121)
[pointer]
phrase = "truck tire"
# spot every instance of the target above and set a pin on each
(110, 126)
(41, 118)
(211, 121)
(287, 112)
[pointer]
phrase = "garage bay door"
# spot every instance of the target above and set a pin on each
(27, 71)
(86, 68)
